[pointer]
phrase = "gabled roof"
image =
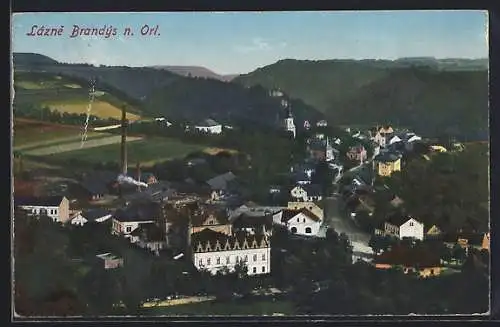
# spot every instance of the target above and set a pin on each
(245, 220)
(93, 214)
(221, 182)
(208, 123)
(290, 213)
(409, 257)
(149, 233)
(397, 219)
(143, 211)
(47, 201)
(203, 211)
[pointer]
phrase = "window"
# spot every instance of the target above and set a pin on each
(208, 262)
(246, 258)
(128, 229)
(237, 259)
(263, 257)
(293, 230)
(218, 261)
(298, 220)
(254, 270)
(303, 220)
(200, 262)
(308, 230)
(263, 269)
(228, 259)
(411, 223)
(254, 257)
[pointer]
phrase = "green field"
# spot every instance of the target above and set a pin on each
(147, 151)
(254, 308)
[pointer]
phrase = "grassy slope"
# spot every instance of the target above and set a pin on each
(66, 95)
(147, 151)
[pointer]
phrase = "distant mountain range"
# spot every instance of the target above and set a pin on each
(196, 71)
(430, 95)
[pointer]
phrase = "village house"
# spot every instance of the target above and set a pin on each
(55, 207)
(216, 252)
(128, 219)
(321, 149)
(401, 226)
(210, 217)
(357, 153)
(260, 224)
(387, 163)
(149, 236)
(109, 261)
(97, 184)
(92, 215)
(209, 126)
(420, 261)
(433, 233)
(378, 138)
(299, 222)
(307, 193)
(221, 185)
(322, 123)
(386, 130)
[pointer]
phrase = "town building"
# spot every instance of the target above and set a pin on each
(387, 163)
(401, 226)
(311, 206)
(357, 153)
(212, 217)
(93, 216)
(149, 236)
(215, 252)
(289, 124)
(55, 207)
(209, 126)
(307, 193)
(420, 261)
(299, 222)
(128, 219)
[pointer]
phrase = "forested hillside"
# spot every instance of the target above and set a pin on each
(426, 94)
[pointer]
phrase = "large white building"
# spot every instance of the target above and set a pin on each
(301, 221)
(216, 251)
(55, 207)
(209, 126)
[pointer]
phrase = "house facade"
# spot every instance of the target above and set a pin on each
(402, 227)
(126, 220)
(387, 163)
(212, 218)
(357, 153)
(216, 252)
(149, 236)
(55, 207)
(300, 222)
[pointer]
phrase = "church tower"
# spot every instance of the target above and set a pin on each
(289, 124)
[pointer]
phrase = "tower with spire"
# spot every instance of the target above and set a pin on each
(289, 124)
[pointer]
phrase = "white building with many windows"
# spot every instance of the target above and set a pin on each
(216, 252)
(55, 207)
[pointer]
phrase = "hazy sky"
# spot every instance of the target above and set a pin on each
(241, 42)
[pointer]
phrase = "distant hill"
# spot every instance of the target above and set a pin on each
(196, 71)
(155, 92)
(420, 92)
(21, 58)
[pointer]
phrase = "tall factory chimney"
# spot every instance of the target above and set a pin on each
(139, 175)
(123, 151)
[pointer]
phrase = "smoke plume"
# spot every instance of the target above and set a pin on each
(122, 179)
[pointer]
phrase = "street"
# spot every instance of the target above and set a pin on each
(334, 219)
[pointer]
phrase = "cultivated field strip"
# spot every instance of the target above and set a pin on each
(66, 147)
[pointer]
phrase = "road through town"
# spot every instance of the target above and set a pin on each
(341, 224)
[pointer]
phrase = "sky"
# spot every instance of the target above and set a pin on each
(240, 42)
